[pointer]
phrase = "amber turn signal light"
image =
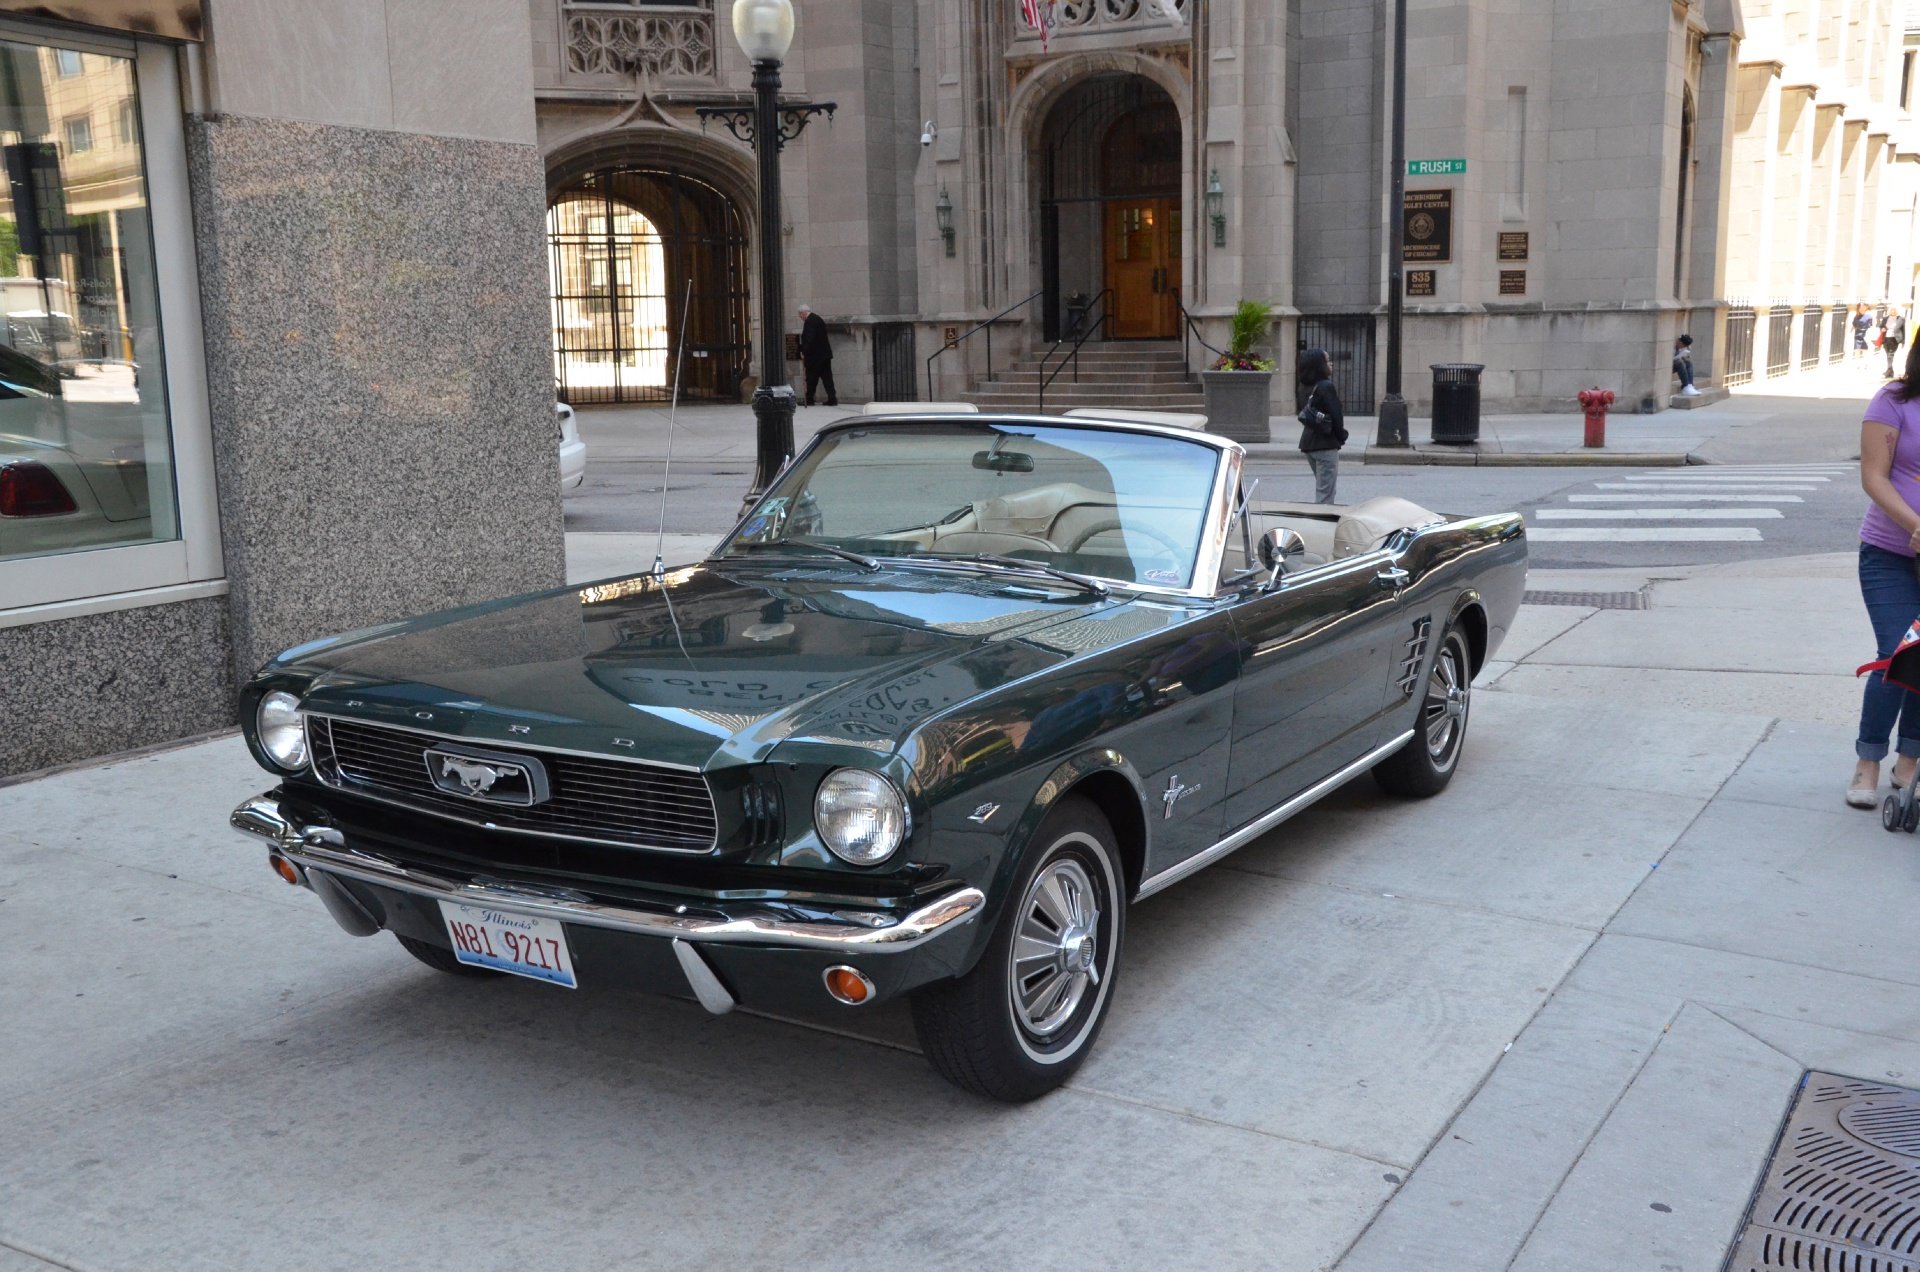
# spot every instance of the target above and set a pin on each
(284, 868)
(848, 986)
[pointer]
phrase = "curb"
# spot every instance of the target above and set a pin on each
(1529, 459)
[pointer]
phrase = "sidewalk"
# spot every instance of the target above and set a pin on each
(1808, 418)
(1548, 1020)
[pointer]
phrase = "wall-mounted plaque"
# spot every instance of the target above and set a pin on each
(793, 347)
(1427, 221)
(1513, 245)
(950, 337)
(1420, 282)
(1513, 282)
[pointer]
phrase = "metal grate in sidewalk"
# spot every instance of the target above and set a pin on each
(1591, 600)
(1842, 1193)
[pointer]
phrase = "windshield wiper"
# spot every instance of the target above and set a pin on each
(866, 563)
(1021, 565)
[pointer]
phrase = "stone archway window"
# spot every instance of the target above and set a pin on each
(638, 255)
(609, 296)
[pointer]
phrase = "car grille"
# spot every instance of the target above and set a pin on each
(642, 805)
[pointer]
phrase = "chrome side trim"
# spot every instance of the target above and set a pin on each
(1268, 820)
(324, 848)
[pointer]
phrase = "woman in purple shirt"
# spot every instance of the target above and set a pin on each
(1889, 539)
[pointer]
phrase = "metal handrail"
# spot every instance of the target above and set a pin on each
(1192, 331)
(1087, 327)
(985, 324)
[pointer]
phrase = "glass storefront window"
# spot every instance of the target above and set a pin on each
(86, 457)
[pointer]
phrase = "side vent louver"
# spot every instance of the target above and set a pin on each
(763, 814)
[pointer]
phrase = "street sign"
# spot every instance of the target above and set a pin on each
(1435, 167)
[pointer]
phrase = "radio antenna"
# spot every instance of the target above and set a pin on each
(666, 475)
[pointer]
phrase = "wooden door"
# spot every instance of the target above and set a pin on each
(1143, 268)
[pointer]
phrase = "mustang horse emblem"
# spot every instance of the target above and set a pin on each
(475, 778)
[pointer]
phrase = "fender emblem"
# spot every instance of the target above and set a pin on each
(1174, 793)
(983, 814)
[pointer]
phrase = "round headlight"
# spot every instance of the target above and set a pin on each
(283, 733)
(860, 816)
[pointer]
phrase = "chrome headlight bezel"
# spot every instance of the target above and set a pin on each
(280, 727)
(852, 800)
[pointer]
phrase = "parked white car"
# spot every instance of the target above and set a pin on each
(573, 451)
(55, 500)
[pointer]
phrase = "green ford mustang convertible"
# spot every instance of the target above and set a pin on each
(950, 696)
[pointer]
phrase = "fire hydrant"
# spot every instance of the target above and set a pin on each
(1594, 402)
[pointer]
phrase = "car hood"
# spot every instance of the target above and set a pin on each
(709, 665)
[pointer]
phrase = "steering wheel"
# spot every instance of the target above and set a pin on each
(1174, 551)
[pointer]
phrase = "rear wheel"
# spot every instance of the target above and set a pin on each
(1022, 1021)
(1425, 764)
(441, 959)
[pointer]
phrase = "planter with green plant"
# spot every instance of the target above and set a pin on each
(1240, 385)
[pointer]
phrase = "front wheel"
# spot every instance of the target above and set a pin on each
(1425, 764)
(1020, 1023)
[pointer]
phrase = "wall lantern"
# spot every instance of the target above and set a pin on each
(943, 214)
(1217, 208)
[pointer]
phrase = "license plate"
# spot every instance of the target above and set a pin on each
(522, 944)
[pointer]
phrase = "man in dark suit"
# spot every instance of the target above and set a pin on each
(816, 355)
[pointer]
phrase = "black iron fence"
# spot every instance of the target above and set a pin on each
(1349, 342)
(1810, 337)
(1779, 341)
(894, 378)
(1837, 319)
(1739, 356)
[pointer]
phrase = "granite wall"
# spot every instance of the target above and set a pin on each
(379, 373)
(110, 682)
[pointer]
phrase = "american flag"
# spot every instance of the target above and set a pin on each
(1039, 16)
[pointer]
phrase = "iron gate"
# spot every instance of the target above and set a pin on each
(1779, 341)
(624, 243)
(1348, 340)
(1810, 337)
(893, 366)
(1739, 359)
(1837, 331)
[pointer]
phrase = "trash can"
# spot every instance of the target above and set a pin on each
(1456, 402)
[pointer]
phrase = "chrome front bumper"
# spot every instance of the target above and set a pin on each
(324, 849)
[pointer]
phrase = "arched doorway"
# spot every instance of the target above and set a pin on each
(1110, 208)
(625, 241)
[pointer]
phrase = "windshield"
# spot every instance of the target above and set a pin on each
(1128, 507)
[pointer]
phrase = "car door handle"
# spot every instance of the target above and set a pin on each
(1394, 577)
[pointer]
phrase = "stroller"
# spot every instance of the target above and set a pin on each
(1901, 810)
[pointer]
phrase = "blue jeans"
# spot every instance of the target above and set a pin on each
(1892, 593)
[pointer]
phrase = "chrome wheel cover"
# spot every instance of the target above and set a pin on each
(1443, 714)
(1056, 948)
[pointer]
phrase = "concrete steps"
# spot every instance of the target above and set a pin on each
(1145, 376)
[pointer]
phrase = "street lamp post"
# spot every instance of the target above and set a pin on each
(764, 29)
(1393, 407)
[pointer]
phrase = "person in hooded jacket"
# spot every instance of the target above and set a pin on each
(1323, 421)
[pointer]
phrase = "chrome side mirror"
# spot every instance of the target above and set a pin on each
(1276, 545)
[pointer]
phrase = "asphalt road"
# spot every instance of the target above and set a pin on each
(1582, 518)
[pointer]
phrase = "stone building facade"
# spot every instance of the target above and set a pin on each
(275, 349)
(1590, 173)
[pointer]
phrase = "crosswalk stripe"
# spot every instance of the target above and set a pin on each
(1656, 514)
(1628, 485)
(1648, 534)
(1698, 496)
(1664, 478)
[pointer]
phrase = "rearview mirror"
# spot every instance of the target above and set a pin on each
(1276, 545)
(999, 461)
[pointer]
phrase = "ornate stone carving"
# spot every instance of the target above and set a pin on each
(673, 43)
(1087, 15)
